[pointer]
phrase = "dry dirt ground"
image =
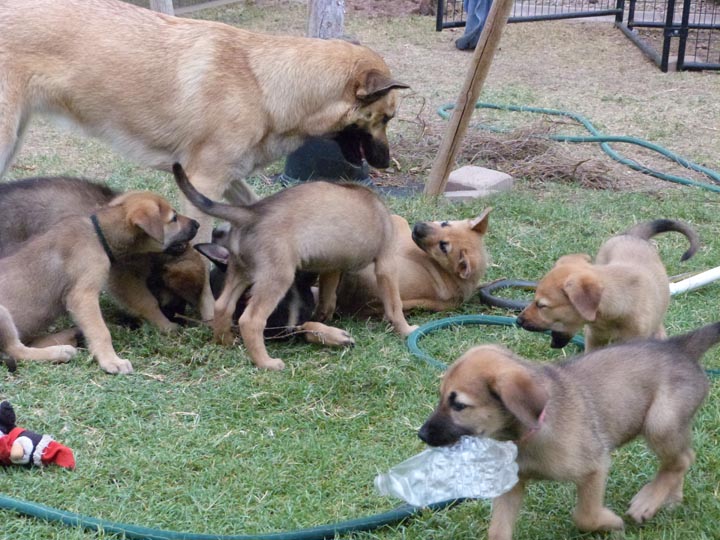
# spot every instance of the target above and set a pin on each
(584, 66)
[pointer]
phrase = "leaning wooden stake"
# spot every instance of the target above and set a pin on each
(479, 67)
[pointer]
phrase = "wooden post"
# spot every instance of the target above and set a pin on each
(326, 18)
(163, 6)
(479, 67)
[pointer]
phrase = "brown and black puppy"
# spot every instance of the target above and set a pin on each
(292, 317)
(567, 418)
(232, 100)
(64, 270)
(317, 227)
(440, 264)
(153, 286)
(623, 295)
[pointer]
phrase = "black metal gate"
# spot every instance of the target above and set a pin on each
(675, 34)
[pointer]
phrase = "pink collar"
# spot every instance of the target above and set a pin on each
(532, 431)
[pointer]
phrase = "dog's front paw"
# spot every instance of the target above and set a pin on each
(603, 520)
(646, 502)
(117, 366)
(272, 364)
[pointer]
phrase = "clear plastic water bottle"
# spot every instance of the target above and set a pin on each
(474, 467)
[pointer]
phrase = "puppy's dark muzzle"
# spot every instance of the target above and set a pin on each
(181, 242)
(439, 432)
(557, 339)
(420, 231)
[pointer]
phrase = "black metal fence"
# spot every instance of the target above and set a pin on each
(675, 34)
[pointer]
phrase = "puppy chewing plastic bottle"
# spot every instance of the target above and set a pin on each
(474, 468)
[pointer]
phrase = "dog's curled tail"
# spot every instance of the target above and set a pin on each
(649, 229)
(234, 214)
(698, 342)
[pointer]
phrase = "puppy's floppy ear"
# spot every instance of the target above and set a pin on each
(584, 293)
(375, 86)
(463, 268)
(480, 223)
(147, 217)
(521, 395)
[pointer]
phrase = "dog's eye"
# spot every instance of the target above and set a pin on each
(173, 219)
(457, 406)
(443, 245)
(540, 304)
(386, 119)
(445, 224)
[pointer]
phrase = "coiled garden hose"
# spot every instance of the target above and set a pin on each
(604, 140)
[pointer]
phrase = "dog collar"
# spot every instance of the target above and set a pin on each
(528, 434)
(101, 237)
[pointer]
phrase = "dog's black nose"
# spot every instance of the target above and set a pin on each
(423, 433)
(194, 225)
(520, 321)
(420, 230)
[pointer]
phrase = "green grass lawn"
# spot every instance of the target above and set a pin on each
(199, 440)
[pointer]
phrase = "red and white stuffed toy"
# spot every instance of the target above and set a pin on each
(20, 446)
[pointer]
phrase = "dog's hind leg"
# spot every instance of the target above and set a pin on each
(327, 295)
(266, 294)
(70, 336)
(672, 447)
(590, 513)
(236, 282)
(10, 343)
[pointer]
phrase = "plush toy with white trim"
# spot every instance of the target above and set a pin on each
(20, 446)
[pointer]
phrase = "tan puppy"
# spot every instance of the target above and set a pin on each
(65, 269)
(221, 100)
(316, 227)
(440, 264)
(567, 418)
(152, 286)
(623, 295)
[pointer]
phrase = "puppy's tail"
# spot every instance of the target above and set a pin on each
(698, 342)
(228, 212)
(649, 229)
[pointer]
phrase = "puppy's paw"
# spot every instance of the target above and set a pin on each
(408, 329)
(272, 364)
(63, 353)
(169, 327)
(603, 520)
(117, 366)
(646, 503)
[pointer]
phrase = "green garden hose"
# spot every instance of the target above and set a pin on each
(598, 137)
(135, 532)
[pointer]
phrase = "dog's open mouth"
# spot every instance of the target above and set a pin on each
(357, 144)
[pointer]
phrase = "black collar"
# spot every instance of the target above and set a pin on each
(101, 237)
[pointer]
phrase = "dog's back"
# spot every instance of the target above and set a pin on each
(31, 206)
(654, 377)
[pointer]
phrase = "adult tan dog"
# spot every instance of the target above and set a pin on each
(66, 268)
(220, 100)
(152, 286)
(623, 295)
(318, 227)
(440, 264)
(567, 418)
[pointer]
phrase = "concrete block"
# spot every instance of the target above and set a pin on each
(472, 182)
